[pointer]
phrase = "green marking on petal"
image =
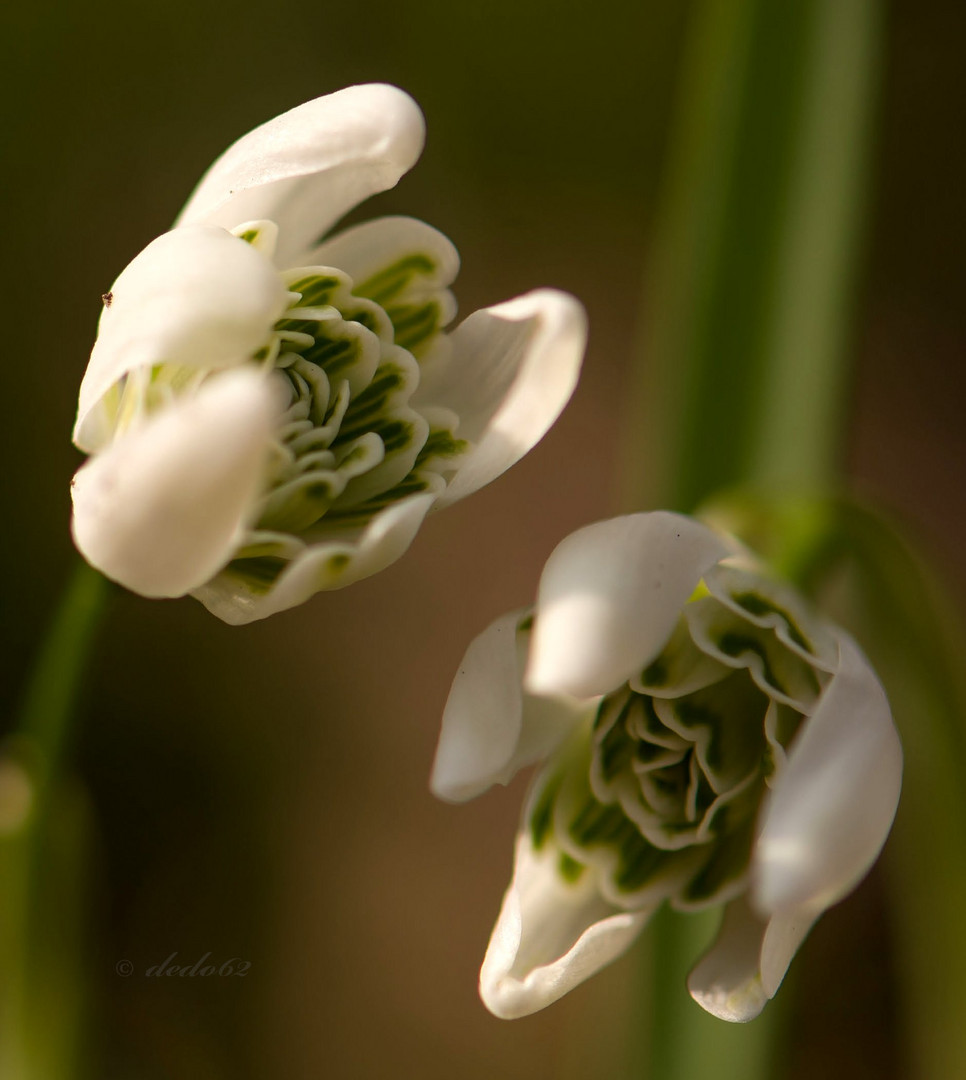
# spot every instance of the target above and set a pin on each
(315, 290)
(541, 816)
(737, 645)
(569, 869)
(758, 605)
(727, 865)
(395, 279)
(441, 445)
(639, 862)
(259, 574)
(656, 673)
(415, 324)
(596, 823)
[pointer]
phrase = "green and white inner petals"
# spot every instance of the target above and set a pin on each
(662, 797)
(362, 432)
(736, 642)
(405, 267)
(350, 444)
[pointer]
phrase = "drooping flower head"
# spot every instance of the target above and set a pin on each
(705, 738)
(270, 415)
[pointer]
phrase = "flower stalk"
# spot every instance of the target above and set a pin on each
(758, 239)
(43, 844)
(757, 244)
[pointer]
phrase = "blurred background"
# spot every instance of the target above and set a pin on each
(258, 792)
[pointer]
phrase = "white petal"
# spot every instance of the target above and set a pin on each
(325, 565)
(777, 605)
(162, 509)
(609, 598)
(377, 246)
(198, 297)
(550, 936)
(307, 167)
(512, 371)
(832, 807)
(745, 966)
(491, 729)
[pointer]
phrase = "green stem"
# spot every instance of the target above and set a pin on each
(40, 845)
(754, 259)
(686, 1042)
(755, 251)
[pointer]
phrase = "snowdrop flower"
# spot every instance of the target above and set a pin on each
(269, 415)
(704, 737)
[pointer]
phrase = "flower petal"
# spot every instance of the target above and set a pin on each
(197, 297)
(491, 729)
(832, 807)
(306, 168)
(551, 935)
(405, 266)
(330, 564)
(745, 966)
(609, 598)
(389, 257)
(163, 507)
(512, 371)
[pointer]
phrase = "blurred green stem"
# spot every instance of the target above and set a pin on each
(743, 380)
(42, 841)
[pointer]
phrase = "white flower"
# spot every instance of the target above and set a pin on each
(269, 415)
(705, 737)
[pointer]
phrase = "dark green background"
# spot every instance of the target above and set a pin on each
(261, 792)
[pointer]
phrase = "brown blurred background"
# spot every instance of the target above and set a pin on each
(262, 792)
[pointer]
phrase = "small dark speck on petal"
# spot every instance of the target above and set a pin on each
(107, 298)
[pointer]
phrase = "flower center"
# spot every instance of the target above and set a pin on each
(661, 793)
(351, 441)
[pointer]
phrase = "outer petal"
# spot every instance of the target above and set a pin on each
(491, 729)
(742, 971)
(162, 509)
(327, 565)
(831, 809)
(198, 297)
(307, 167)
(550, 936)
(512, 370)
(609, 598)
